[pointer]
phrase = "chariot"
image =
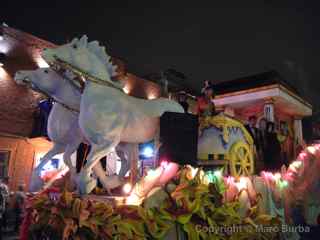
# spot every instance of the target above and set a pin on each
(225, 141)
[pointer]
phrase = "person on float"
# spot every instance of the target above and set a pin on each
(205, 104)
(206, 84)
(183, 101)
(256, 136)
(272, 156)
(263, 132)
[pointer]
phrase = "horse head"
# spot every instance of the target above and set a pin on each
(52, 84)
(43, 80)
(87, 59)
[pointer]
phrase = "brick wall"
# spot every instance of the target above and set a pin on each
(18, 103)
(21, 160)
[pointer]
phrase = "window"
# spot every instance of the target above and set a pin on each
(4, 163)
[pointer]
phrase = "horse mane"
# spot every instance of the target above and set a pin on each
(99, 51)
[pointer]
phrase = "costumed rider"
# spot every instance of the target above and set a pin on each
(205, 104)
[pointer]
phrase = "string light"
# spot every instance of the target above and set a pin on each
(283, 184)
(241, 184)
(217, 174)
(127, 188)
(193, 171)
(311, 149)
(164, 164)
(295, 165)
(277, 176)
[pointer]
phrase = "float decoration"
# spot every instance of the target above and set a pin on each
(223, 122)
(189, 202)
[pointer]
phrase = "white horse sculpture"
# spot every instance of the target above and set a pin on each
(63, 126)
(107, 114)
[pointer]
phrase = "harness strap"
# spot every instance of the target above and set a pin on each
(87, 76)
(67, 107)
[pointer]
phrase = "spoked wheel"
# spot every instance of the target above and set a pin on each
(241, 160)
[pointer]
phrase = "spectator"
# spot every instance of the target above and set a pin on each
(2, 210)
(20, 197)
(4, 191)
(183, 101)
(272, 156)
(205, 104)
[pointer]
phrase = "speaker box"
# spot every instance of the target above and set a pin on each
(179, 138)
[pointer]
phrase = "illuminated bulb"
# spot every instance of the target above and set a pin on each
(284, 184)
(151, 96)
(1, 38)
(302, 155)
(242, 184)
(164, 164)
(268, 175)
(193, 171)
(294, 165)
(288, 175)
(217, 173)
(311, 149)
(42, 63)
(127, 188)
(148, 152)
(277, 176)
(126, 89)
(133, 199)
(153, 174)
(230, 180)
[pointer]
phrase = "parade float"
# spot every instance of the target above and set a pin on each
(171, 201)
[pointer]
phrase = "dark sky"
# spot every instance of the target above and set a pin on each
(217, 40)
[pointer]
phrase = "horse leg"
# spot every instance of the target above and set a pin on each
(36, 182)
(87, 183)
(70, 149)
(108, 182)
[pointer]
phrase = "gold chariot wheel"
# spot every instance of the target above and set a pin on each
(241, 160)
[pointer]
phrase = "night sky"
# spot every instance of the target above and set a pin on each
(215, 41)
